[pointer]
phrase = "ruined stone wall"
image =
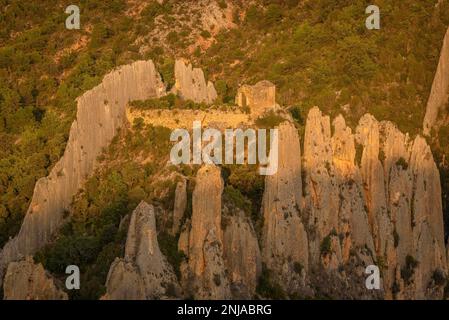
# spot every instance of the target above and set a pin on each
(174, 119)
(258, 98)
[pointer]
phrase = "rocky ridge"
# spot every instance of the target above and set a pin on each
(371, 197)
(100, 113)
(204, 271)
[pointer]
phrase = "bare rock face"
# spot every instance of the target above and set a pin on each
(320, 184)
(375, 194)
(353, 227)
(144, 273)
(180, 205)
(241, 255)
(205, 272)
(26, 280)
(398, 181)
(340, 239)
(100, 113)
(284, 238)
(370, 197)
(403, 194)
(437, 105)
(191, 85)
(427, 218)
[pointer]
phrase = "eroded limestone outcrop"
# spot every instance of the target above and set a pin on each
(100, 113)
(284, 238)
(190, 84)
(368, 197)
(144, 272)
(438, 103)
(204, 273)
(321, 189)
(26, 280)
(427, 218)
(376, 195)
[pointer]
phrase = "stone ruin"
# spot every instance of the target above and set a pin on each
(258, 98)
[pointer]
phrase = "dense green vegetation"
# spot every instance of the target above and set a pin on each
(269, 120)
(322, 54)
(267, 287)
(243, 183)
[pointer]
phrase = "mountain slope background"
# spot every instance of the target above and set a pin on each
(316, 52)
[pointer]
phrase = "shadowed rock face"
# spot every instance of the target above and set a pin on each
(191, 85)
(26, 280)
(100, 113)
(241, 255)
(144, 273)
(437, 105)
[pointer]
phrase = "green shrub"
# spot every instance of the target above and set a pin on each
(326, 244)
(409, 270)
(170, 101)
(439, 278)
(138, 123)
(173, 38)
(237, 199)
(167, 70)
(269, 120)
(273, 15)
(246, 180)
(169, 247)
(396, 238)
(154, 9)
(222, 4)
(297, 115)
(253, 15)
(205, 34)
(267, 287)
(402, 163)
